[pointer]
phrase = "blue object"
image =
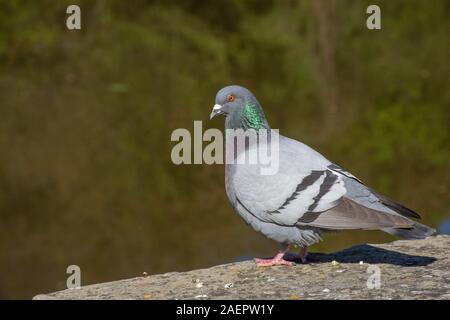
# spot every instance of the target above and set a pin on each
(444, 227)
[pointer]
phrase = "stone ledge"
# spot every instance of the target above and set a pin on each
(413, 269)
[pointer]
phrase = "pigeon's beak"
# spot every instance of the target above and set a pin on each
(215, 111)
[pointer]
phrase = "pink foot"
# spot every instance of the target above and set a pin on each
(275, 261)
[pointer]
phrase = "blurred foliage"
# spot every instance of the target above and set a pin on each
(86, 118)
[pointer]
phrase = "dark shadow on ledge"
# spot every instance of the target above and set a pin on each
(370, 254)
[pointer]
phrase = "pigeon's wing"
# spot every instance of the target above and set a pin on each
(301, 183)
(348, 214)
(304, 191)
(317, 199)
(359, 208)
(285, 198)
(357, 191)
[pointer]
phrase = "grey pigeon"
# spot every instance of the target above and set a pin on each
(308, 195)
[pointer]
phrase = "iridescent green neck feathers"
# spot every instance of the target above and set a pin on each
(250, 116)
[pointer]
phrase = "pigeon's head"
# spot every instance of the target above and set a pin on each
(240, 108)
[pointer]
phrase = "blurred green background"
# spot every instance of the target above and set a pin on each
(86, 118)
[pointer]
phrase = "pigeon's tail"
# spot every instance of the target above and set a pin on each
(417, 231)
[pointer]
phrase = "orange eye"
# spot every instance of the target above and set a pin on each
(231, 98)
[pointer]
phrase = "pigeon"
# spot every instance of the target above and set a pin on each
(307, 195)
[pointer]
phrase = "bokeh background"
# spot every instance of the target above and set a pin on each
(86, 118)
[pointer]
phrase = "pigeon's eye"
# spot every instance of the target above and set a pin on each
(231, 97)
